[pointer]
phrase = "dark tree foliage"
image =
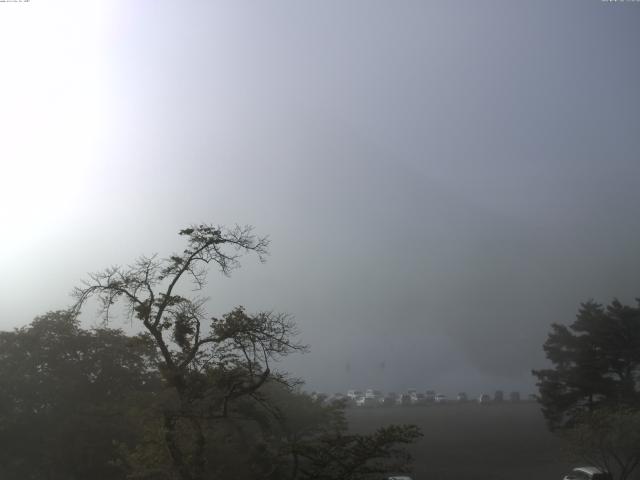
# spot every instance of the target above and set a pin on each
(343, 456)
(596, 363)
(311, 440)
(218, 416)
(282, 434)
(78, 404)
(208, 363)
(608, 437)
(65, 397)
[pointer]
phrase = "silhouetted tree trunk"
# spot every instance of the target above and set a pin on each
(238, 347)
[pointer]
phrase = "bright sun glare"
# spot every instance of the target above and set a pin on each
(50, 114)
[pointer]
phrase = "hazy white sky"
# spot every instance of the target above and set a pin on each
(440, 180)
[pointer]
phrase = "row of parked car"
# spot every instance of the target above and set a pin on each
(376, 398)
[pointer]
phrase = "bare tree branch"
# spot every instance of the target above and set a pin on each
(208, 368)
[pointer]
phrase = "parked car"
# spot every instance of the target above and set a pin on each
(430, 396)
(354, 394)
(418, 399)
(367, 402)
(389, 400)
(440, 398)
(462, 397)
(587, 473)
(371, 402)
(371, 393)
(484, 398)
(403, 399)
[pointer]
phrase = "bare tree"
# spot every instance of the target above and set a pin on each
(207, 362)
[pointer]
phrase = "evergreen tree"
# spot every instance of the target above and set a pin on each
(596, 362)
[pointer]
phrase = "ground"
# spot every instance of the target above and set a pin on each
(475, 442)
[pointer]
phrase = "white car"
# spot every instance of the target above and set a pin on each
(484, 398)
(371, 393)
(354, 394)
(367, 402)
(587, 473)
(440, 398)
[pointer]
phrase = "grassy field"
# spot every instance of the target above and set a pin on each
(474, 442)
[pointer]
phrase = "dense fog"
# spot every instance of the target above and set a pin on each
(440, 181)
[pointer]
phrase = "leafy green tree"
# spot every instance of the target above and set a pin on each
(596, 363)
(65, 397)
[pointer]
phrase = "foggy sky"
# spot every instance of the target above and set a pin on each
(440, 180)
